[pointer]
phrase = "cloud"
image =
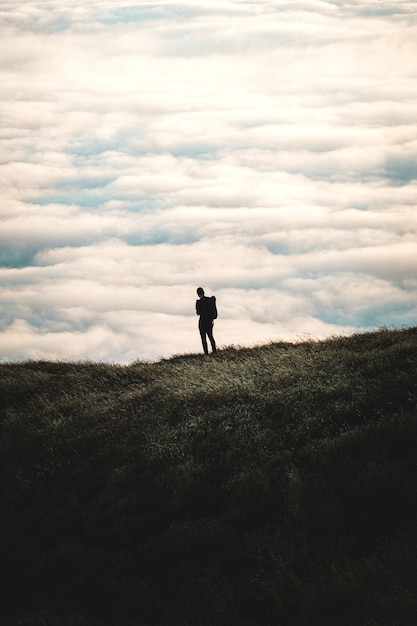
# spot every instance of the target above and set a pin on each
(265, 150)
(145, 296)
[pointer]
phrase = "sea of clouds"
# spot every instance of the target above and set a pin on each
(265, 150)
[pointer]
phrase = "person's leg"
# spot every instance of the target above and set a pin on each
(203, 338)
(210, 336)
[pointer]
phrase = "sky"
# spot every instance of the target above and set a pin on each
(266, 151)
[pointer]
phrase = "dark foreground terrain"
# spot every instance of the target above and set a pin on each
(269, 486)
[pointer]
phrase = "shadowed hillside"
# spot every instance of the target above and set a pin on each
(268, 486)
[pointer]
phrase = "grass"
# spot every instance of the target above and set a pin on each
(268, 486)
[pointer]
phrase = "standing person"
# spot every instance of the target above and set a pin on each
(206, 308)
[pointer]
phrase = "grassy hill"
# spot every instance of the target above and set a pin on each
(268, 486)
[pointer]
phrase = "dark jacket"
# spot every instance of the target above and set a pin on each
(206, 308)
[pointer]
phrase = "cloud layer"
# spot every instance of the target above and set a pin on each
(265, 150)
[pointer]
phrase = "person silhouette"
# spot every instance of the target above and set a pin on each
(206, 308)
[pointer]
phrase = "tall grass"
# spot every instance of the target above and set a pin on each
(267, 486)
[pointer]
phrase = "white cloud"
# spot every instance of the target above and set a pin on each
(263, 149)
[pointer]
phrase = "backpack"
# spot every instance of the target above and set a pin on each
(213, 308)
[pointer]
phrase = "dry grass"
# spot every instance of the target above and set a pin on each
(274, 485)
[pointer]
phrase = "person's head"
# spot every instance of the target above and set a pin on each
(200, 292)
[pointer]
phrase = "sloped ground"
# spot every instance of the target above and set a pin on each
(268, 486)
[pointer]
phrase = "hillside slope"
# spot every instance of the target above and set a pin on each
(268, 486)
